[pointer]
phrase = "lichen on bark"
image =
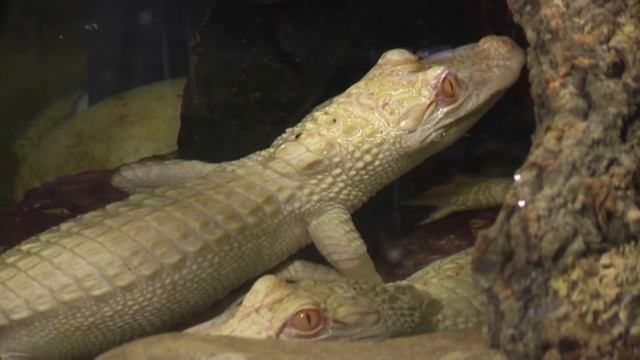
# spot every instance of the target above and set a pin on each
(575, 198)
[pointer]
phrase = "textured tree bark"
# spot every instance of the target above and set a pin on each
(560, 280)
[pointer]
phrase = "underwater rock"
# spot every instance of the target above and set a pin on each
(138, 123)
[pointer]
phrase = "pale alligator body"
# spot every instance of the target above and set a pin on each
(140, 265)
(194, 231)
(325, 305)
(464, 193)
(311, 302)
(441, 296)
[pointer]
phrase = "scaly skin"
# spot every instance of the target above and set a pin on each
(194, 231)
(441, 296)
(464, 193)
(449, 281)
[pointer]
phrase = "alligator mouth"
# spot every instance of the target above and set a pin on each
(357, 326)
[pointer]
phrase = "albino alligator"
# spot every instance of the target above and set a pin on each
(462, 193)
(314, 302)
(193, 231)
(310, 302)
(597, 293)
(442, 296)
(325, 305)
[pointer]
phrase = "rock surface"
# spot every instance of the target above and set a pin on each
(575, 198)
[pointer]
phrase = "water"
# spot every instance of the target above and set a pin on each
(252, 68)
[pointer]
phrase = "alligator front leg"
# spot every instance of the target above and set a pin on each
(148, 175)
(338, 240)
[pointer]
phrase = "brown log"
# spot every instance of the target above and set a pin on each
(559, 279)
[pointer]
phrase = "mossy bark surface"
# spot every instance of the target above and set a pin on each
(574, 203)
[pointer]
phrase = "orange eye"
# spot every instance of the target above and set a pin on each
(449, 86)
(307, 321)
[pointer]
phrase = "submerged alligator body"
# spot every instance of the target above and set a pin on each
(325, 305)
(307, 301)
(191, 231)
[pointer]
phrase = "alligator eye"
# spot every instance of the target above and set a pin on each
(449, 86)
(307, 321)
